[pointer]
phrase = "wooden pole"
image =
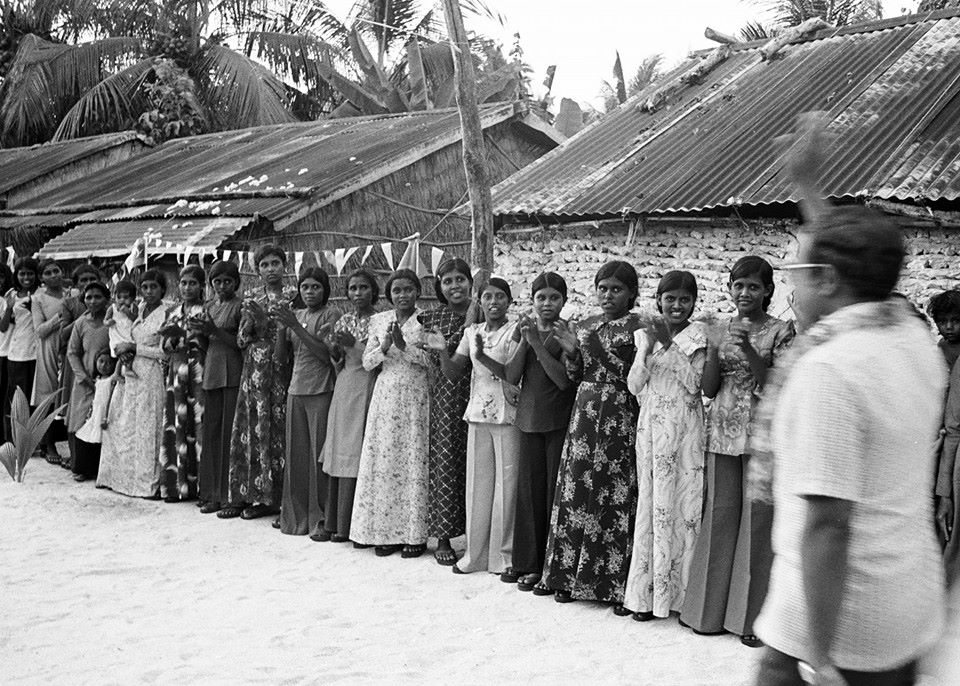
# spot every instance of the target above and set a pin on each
(474, 150)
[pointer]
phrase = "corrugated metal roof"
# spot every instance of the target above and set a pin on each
(19, 166)
(891, 91)
(90, 239)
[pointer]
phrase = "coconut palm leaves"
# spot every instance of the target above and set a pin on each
(28, 430)
(787, 13)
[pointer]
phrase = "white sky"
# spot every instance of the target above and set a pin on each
(582, 36)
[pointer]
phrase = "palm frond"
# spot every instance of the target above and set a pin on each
(292, 55)
(647, 73)
(236, 92)
(111, 105)
(754, 30)
(481, 9)
(787, 13)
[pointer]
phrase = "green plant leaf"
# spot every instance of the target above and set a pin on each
(8, 456)
(19, 414)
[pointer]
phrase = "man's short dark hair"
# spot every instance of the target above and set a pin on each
(864, 246)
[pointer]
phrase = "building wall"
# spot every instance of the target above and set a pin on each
(707, 249)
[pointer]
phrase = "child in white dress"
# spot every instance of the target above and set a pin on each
(90, 435)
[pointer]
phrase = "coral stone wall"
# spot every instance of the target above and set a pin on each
(708, 250)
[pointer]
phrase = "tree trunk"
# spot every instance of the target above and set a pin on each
(474, 150)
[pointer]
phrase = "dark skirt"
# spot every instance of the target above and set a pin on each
(219, 407)
(19, 374)
(537, 467)
(304, 483)
(339, 505)
(87, 462)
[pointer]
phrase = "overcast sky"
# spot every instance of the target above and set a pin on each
(582, 36)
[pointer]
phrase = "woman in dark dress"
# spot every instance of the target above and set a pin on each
(591, 527)
(448, 401)
(73, 307)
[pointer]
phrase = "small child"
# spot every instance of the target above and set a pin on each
(90, 435)
(119, 321)
(944, 310)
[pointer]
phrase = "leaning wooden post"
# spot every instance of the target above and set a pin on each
(474, 149)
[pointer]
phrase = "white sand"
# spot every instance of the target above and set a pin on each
(98, 588)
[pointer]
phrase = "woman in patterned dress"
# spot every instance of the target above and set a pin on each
(257, 445)
(184, 400)
(73, 308)
(665, 377)
(348, 412)
(448, 401)
(732, 556)
(131, 451)
(591, 527)
(390, 509)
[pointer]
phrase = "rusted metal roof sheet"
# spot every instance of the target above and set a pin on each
(19, 166)
(891, 91)
(92, 239)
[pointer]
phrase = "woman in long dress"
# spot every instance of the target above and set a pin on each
(72, 309)
(390, 508)
(732, 556)
(257, 445)
(184, 397)
(340, 458)
(665, 377)
(130, 456)
(448, 402)
(46, 308)
(591, 527)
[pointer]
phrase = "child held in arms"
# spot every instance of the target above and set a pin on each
(119, 320)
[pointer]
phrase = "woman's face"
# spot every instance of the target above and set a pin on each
(676, 306)
(360, 292)
(271, 269)
(547, 303)
(224, 286)
(614, 297)
(190, 288)
(51, 276)
(85, 279)
(495, 303)
(95, 301)
(403, 294)
(455, 288)
(151, 291)
(312, 292)
(748, 293)
(26, 277)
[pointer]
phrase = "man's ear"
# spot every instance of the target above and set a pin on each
(828, 281)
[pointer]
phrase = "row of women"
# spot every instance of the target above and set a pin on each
(575, 457)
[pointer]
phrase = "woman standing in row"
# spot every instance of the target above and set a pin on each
(732, 557)
(340, 457)
(665, 377)
(390, 509)
(73, 308)
(308, 404)
(221, 382)
(588, 551)
(46, 309)
(18, 320)
(543, 413)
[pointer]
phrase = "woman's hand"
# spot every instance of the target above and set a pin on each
(566, 337)
(944, 518)
(433, 340)
(527, 330)
(657, 332)
(87, 381)
(285, 316)
(478, 344)
(344, 339)
(387, 342)
(397, 335)
(127, 348)
(740, 334)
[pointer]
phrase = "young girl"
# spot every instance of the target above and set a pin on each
(184, 395)
(308, 403)
(90, 434)
(221, 382)
(72, 309)
(348, 412)
(588, 550)
(45, 309)
(543, 413)
(119, 320)
(88, 339)
(732, 556)
(448, 401)
(257, 444)
(390, 509)
(18, 319)
(665, 377)
(944, 310)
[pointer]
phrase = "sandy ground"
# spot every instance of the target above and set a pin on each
(98, 588)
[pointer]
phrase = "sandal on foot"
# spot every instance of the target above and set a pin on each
(210, 508)
(361, 546)
(79, 478)
(642, 616)
(621, 611)
(257, 511)
(508, 576)
(457, 570)
(541, 589)
(751, 641)
(384, 550)
(337, 538)
(698, 632)
(320, 536)
(563, 597)
(411, 551)
(230, 512)
(446, 557)
(52, 459)
(528, 582)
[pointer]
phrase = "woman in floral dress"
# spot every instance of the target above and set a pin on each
(448, 402)
(184, 400)
(257, 446)
(665, 377)
(588, 550)
(131, 451)
(390, 508)
(732, 556)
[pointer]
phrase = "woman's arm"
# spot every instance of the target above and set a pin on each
(711, 372)
(514, 366)
(638, 375)
(7, 314)
(75, 354)
(43, 326)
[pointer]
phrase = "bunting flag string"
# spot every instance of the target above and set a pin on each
(387, 249)
(436, 258)
(341, 256)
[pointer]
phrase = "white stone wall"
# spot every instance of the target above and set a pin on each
(706, 250)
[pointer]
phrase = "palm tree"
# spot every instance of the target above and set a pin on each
(787, 13)
(616, 94)
(933, 5)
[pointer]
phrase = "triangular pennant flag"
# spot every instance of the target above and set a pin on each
(11, 257)
(341, 256)
(226, 255)
(411, 256)
(436, 257)
(115, 279)
(316, 256)
(187, 249)
(253, 265)
(387, 249)
(330, 257)
(366, 254)
(297, 262)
